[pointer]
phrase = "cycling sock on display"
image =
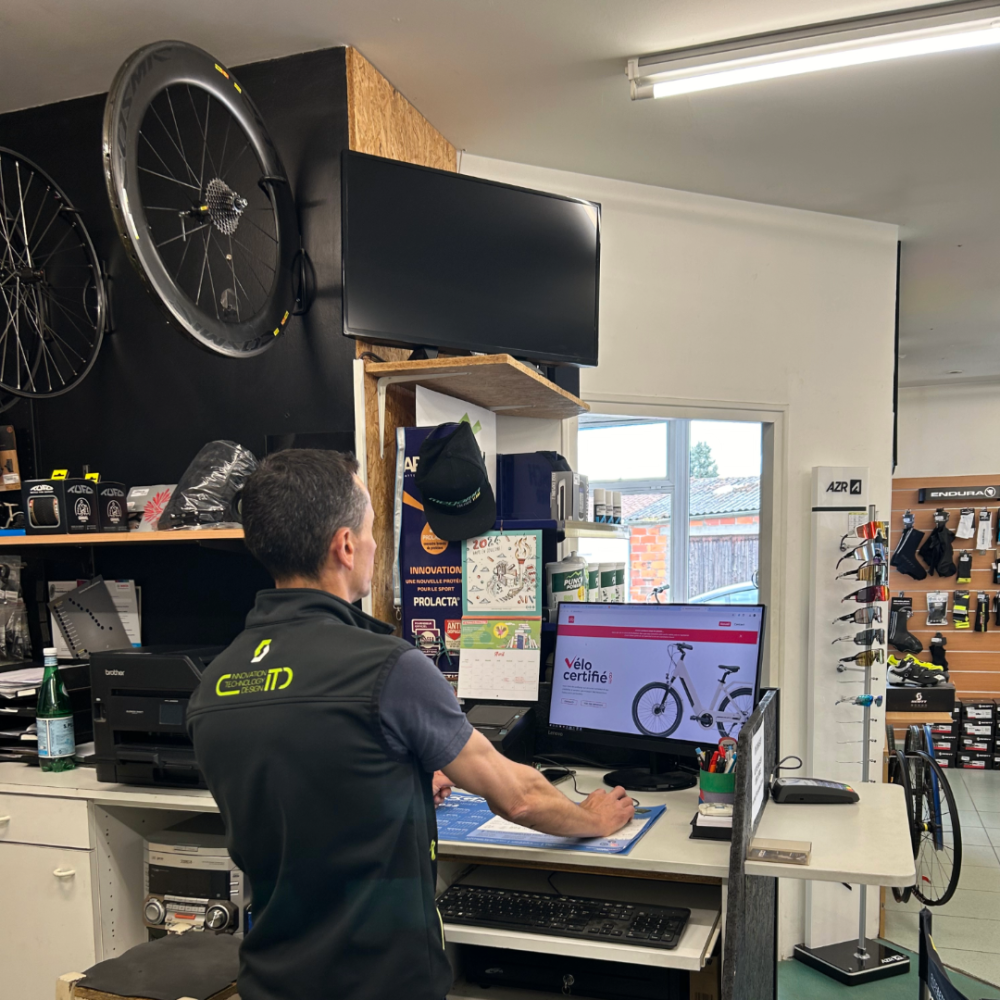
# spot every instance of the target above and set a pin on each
(965, 567)
(936, 550)
(904, 558)
(982, 611)
(937, 607)
(937, 651)
(900, 609)
(965, 527)
(960, 609)
(984, 535)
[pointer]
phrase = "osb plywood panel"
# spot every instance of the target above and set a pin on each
(381, 121)
(973, 657)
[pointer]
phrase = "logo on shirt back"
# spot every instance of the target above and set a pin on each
(254, 681)
(263, 648)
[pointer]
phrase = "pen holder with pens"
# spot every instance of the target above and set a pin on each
(717, 787)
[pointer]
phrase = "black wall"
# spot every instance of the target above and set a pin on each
(154, 398)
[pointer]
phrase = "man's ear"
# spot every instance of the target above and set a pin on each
(341, 552)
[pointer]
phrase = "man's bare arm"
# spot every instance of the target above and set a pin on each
(520, 794)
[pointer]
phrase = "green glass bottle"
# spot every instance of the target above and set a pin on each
(54, 719)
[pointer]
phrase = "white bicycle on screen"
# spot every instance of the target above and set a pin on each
(657, 709)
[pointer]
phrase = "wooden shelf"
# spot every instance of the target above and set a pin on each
(495, 381)
(123, 538)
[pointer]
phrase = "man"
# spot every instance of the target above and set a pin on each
(318, 733)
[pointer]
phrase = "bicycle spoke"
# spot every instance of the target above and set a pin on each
(182, 236)
(180, 140)
(146, 170)
(156, 153)
(211, 278)
(204, 263)
(264, 231)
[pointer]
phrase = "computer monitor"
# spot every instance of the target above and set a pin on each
(666, 678)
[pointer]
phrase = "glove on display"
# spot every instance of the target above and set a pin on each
(937, 651)
(936, 550)
(960, 609)
(984, 536)
(904, 558)
(937, 607)
(900, 609)
(965, 567)
(965, 527)
(982, 611)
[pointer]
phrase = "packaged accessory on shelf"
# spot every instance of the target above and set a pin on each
(900, 609)
(208, 491)
(937, 607)
(960, 609)
(936, 550)
(904, 559)
(965, 567)
(982, 611)
(984, 535)
(966, 518)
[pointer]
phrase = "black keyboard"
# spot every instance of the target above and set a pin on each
(564, 916)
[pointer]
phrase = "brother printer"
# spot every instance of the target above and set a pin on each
(140, 699)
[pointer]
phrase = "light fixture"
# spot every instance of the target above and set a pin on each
(948, 27)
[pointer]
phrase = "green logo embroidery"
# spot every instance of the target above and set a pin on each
(433, 850)
(252, 681)
(261, 651)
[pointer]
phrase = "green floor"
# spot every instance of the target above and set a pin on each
(798, 982)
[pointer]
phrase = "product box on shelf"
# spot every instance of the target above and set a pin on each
(10, 475)
(975, 761)
(524, 487)
(945, 760)
(945, 744)
(951, 729)
(81, 506)
(911, 699)
(978, 729)
(979, 744)
(44, 502)
(569, 496)
(956, 712)
(112, 509)
(980, 710)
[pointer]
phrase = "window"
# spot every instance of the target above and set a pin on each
(705, 471)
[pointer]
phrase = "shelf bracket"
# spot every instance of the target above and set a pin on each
(384, 383)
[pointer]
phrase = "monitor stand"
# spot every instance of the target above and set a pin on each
(662, 775)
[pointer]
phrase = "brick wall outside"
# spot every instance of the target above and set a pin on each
(650, 559)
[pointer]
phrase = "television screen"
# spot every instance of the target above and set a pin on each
(438, 259)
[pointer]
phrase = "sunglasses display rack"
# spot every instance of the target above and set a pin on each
(848, 623)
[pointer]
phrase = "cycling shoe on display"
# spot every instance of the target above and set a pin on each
(911, 672)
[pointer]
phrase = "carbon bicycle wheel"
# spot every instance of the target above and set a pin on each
(938, 835)
(656, 709)
(742, 701)
(200, 197)
(899, 774)
(52, 301)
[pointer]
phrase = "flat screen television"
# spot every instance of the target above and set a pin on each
(444, 260)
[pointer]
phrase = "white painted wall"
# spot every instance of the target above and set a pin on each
(948, 430)
(718, 308)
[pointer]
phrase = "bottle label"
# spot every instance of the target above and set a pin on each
(55, 737)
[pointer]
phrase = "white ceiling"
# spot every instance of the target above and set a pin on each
(915, 143)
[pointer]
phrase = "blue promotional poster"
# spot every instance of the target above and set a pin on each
(430, 569)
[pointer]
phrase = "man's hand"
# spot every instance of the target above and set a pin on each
(442, 787)
(612, 809)
(520, 794)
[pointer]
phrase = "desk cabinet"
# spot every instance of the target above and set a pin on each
(46, 920)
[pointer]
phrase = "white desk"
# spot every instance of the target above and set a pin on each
(73, 820)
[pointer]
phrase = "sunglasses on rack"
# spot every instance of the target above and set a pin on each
(869, 572)
(866, 657)
(873, 529)
(870, 637)
(868, 595)
(863, 616)
(867, 551)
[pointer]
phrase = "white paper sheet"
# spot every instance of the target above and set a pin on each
(433, 408)
(757, 761)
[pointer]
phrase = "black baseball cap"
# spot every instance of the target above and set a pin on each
(452, 479)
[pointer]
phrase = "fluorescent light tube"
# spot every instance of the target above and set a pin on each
(795, 53)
